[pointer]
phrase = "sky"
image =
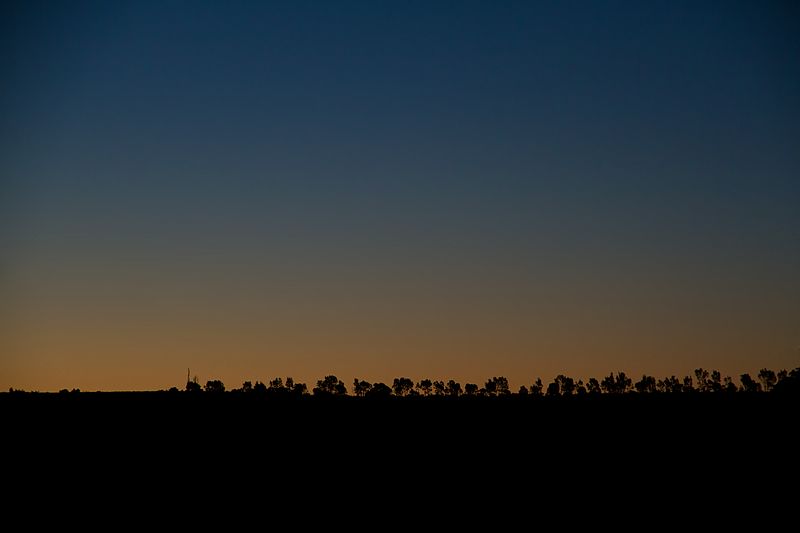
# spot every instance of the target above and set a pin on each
(381, 189)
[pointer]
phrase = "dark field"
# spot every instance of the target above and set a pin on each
(413, 456)
(607, 424)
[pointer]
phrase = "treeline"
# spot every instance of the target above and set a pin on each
(703, 381)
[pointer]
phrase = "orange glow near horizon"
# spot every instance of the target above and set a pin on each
(113, 334)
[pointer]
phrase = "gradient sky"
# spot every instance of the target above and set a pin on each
(375, 189)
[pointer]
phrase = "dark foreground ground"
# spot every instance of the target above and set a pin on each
(207, 422)
(687, 446)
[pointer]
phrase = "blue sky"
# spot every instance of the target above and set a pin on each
(544, 175)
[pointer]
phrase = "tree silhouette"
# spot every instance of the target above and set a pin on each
(608, 384)
(670, 385)
(330, 386)
(623, 383)
(379, 390)
(788, 382)
(497, 386)
(703, 380)
(453, 389)
(193, 386)
(566, 385)
(646, 385)
(215, 386)
(402, 386)
(708, 381)
(716, 381)
(729, 386)
(276, 387)
(749, 384)
(424, 387)
(767, 378)
(616, 385)
(361, 388)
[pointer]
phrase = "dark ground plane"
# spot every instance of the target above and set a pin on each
(679, 447)
(513, 425)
